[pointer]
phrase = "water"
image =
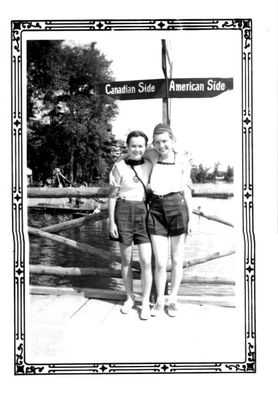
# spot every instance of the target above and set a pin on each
(207, 237)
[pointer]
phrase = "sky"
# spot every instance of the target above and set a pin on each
(208, 128)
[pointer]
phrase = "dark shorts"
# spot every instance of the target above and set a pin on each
(131, 221)
(168, 215)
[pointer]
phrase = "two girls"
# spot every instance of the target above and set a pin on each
(167, 221)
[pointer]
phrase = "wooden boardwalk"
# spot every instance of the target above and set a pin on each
(73, 329)
(69, 328)
(77, 325)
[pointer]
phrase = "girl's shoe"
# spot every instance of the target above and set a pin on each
(145, 312)
(173, 310)
(157, 309)
(127, 306)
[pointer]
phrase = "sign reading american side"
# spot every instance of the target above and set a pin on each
(156, 88)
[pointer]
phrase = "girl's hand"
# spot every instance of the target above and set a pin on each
(113, 231)
(189, 228)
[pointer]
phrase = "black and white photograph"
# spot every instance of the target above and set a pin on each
(132, 176)
(139, 219)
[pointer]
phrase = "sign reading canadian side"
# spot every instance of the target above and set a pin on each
(156, 88)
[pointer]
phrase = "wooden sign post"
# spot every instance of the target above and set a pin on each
(167, 67)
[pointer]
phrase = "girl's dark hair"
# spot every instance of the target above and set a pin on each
(136, 134)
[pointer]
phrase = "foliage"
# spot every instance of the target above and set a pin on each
(201, 174)
(69, 123)
(229, 174)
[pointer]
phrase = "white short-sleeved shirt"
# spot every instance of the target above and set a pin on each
(130, 188)
(169, 177)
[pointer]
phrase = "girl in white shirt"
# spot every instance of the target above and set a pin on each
(169, 214)
(128, 218)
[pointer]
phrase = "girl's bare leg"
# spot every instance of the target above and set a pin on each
(126, 258)
(161, 251)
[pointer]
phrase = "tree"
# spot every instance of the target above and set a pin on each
(229, 174)
(216, 169)
(69, 123)
(201, 174)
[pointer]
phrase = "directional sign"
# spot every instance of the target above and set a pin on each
(132, 90)
(156, 88)
(195, 87)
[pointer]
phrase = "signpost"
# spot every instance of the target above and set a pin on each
(166, 64)
(167, 88)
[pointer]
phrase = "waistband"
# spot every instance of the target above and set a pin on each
(122, 199)
(163, 196)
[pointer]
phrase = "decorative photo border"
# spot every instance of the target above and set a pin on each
(18, 29)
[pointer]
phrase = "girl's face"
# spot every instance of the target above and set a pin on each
(163, 143)
(136, 148)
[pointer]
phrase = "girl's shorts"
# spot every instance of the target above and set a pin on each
(168, 215)
(131, 221)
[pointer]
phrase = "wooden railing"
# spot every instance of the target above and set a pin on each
(113, 261)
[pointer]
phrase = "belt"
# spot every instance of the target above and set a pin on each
(133, 201)
(162, 196)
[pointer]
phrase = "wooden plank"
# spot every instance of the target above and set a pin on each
(105, 255)
(202, 280)
(87, 292)
(76, 222)
(212, 218)
(104, 191)
(185, 296)
(60, 208)
(75, 271)
(227, 301)
(188, 289)
(216, 195)
(81, 214)
(94, 310)
(195, 261)
(119, 293)
(54, 208)
(210, 257)
(115, 272)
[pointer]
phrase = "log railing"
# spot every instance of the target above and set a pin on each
(85, 192)
(112, 260)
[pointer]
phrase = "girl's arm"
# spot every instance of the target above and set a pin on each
(188, 198)
(187, 187)
(150, 154)
(114, 179)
